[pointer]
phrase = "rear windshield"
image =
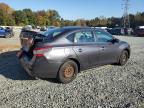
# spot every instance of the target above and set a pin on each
(53, 33)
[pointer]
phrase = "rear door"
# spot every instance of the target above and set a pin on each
(108, 50)
(85, 48)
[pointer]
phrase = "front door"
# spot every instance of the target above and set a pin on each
(108, 49)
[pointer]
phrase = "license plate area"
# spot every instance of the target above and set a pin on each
(27, 43)
(27, 61)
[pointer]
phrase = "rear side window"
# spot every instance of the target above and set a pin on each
(71, 37)
(81, 37)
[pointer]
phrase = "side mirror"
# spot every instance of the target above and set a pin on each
(115, 40)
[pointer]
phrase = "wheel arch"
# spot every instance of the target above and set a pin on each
(124, 49)
(128, 50)
(72, 60)
(77, 62)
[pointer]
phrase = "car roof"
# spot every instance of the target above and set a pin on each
(68, 29)
(73, 28)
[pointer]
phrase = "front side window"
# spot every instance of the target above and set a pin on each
(82, 37)
(103, 36)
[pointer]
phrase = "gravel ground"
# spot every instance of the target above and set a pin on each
(103, 87)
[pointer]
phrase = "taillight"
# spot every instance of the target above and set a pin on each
(39, 52)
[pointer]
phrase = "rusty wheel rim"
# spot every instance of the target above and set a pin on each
(69, 71)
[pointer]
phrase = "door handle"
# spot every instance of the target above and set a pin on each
(79, 50)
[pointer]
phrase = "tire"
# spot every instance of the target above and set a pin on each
(67, 72)
(123, 58)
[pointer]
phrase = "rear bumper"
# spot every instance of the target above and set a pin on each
(27, 65)
(40, 67)
(45, 68)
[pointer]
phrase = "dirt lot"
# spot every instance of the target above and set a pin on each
(10, 43)
(104, 87)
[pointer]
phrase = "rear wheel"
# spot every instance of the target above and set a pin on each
(68, 72)
(123, 58)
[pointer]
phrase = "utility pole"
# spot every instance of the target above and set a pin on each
(125, 19)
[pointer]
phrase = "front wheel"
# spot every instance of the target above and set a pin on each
(67, 72)
(123, 58)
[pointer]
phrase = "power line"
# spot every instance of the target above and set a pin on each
(126, 19)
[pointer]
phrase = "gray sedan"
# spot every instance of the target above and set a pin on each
(63, 52)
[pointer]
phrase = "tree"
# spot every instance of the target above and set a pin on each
(80, 22)
(11, 17)
(53, 17)
(30, 16)
(115, 22)
(41, 21)
(6, 15)
(56, 23)
(20, 18)
(132, 20)
(7, 9)
(10, 21)
(2, 18)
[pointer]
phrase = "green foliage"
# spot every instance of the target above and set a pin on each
(30, 16)
(2, 18)
(10, 21)
(20, 18)
(80, 22)
(6, 9)
(41, 20)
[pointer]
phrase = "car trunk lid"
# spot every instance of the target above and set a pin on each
(29, 39)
